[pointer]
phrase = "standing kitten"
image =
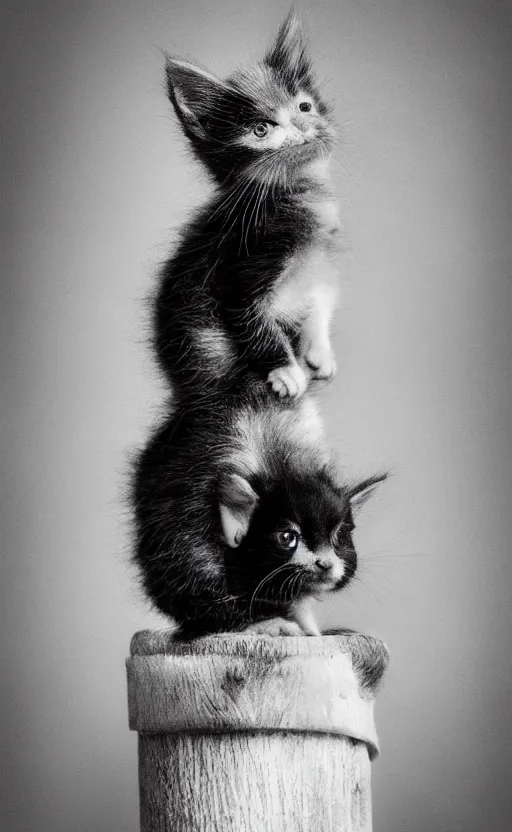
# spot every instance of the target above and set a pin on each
(253, 283)
(239, 518)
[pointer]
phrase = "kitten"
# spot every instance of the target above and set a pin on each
(239, 518)
(252, 286)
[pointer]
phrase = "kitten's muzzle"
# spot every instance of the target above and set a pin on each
(326, 571)
(322, 569)
(323, 565)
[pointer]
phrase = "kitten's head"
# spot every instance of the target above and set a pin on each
(266, 123)
(293, 538)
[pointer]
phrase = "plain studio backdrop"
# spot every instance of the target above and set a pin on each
(95, 184)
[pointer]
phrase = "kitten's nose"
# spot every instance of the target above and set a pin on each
(323, 564)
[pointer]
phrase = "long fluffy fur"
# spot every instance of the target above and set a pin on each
(188, 569)
(259, 262)
(246, 299)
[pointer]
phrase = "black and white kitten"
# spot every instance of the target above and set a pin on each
(254, 280)
(239, 519)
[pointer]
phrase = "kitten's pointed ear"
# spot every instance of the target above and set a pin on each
(237, 501)
(362, 492)
(288, 54)
(192, 90)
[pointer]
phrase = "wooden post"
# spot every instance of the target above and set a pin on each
(254, 734)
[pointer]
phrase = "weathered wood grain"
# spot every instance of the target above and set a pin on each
(254, 734)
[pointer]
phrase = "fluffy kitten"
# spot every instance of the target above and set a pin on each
(239, 518)
(254, 280)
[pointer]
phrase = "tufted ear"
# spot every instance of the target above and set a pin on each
(237, 501)
(362, 492)
(192, 90)
(288, 54)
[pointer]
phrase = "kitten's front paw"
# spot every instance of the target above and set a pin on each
(290, 380)
(321, 361)
(274, 627)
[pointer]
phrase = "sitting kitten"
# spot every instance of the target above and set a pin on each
(253, 283)
(239, 518)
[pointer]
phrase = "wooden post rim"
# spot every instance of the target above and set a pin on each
(235, 682)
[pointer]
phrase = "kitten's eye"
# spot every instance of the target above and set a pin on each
(288, 540)
(305, 106)
(261, 129)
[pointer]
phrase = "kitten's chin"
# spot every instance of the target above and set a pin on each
(318, 588)
(310, 152)
(292, 163)
(310, 161)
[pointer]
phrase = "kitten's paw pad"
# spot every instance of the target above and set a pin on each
(321, 362)
(288, 381)
(274, 627)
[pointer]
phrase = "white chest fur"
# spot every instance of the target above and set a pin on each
(311, 277)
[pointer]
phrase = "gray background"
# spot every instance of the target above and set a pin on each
(94, 185)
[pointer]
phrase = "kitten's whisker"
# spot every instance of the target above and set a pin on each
(242, 193)
(255, 207)
(265, 580)
(296, 579)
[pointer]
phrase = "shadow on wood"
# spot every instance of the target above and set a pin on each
(253, 734)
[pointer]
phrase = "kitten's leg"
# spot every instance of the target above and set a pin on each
(303, 615)
(315, 337)
(290, 380)
(268, 349)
